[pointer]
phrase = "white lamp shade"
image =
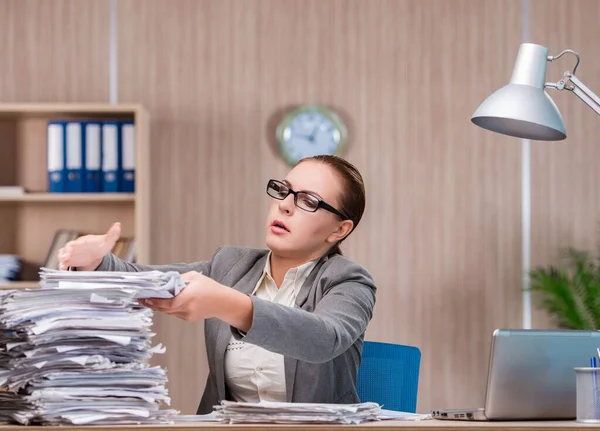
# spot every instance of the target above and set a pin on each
(521, 111)
(522, 108)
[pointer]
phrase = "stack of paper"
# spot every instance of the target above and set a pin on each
(149, 284)
(266, 412)
(76, 350)
(282, 413)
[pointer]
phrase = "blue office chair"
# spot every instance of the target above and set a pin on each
(389, 375)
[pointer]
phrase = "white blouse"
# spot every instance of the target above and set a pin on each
(252, 373)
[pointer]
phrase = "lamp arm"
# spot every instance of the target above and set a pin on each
(583, 92)
(571, 83)
(566, 51)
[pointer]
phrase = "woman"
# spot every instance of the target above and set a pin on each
(283, 324)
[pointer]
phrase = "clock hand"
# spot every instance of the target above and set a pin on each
(312, 134)
(306, 137)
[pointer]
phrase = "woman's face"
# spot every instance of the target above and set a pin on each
(294, 233)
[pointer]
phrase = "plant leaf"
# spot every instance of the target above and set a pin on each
(554, 285)
(586, 285)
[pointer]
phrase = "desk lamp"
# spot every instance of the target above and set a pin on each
(522, 108)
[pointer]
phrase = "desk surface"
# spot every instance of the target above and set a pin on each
(429, 425)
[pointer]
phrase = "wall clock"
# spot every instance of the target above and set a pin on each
(310, 130)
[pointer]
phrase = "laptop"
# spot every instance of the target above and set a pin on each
(531, 375)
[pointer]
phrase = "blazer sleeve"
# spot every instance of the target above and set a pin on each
(110, 262)
(338, 320)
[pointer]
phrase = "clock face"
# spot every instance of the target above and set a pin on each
(310, 131)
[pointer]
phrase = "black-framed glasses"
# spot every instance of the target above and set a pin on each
(303, 200)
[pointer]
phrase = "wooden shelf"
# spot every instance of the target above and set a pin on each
(8, 285)
(69, 197)
(62, 109)
(29, 220)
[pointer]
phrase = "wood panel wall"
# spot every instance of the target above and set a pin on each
(442, 230)
(54, 50)
(441, 233)
(565, 174)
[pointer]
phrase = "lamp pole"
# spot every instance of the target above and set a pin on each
(525, 197)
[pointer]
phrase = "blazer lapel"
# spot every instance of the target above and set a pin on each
(245, 285)
(308, 285)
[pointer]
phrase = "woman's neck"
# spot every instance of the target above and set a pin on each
(281, 265)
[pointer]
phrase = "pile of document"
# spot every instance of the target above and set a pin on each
(76, 350)
(149, 284)
(307, 413)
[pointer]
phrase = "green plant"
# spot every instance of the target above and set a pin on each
(570, 292)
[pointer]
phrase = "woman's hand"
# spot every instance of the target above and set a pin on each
(86, 252)
(203, 298)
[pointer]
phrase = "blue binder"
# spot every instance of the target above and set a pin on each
(111, 155)
(74, 157)
(127, 157)
(92, 150)
(56, 136)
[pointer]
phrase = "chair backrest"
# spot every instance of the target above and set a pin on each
(389, 375)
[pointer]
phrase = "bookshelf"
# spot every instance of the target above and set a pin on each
(29, 220)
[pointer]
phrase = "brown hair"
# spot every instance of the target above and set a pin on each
(353, 198)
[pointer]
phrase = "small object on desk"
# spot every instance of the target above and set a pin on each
(587, 397)
(594, 365)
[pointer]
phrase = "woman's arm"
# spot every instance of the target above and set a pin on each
(110, 262)
(319, 336)
(337, 321)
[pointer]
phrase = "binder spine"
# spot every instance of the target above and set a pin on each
(56, 156)
(92, 144)
(74, 157)
(127, 157)
(111, 155)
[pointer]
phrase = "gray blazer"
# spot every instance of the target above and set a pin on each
(321, 339)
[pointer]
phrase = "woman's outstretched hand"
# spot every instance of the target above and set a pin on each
(203, 298)
(86, 252)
